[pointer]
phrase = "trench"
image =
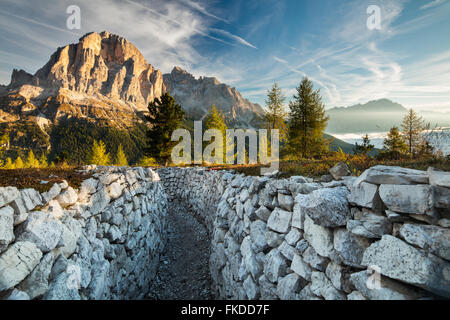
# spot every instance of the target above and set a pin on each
(183, 272)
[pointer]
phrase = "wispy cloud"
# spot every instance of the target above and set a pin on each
(432, 4)
(280, 60)
(233, 36)
(202, 9)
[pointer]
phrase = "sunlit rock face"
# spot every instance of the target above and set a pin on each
(197, 96)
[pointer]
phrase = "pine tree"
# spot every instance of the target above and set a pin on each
(31, 162)
(216, 120)
(121, 159)
(412, 127)
(43, 163)
(99, 156)
(8, 164)
(394, 145)
(275, 116)
(365, 148)
(165, 116)
(307, 122)
(18, 163)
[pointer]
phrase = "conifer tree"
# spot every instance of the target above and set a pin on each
(18, 163)
(412, 127)
(31, 161)
(365, 148)
(121, 159)
(216, 120)
(394, 145)
(99, 156)
(307, 122)
(165, 116)
(43, 163)
(275, 116)
(8, 164)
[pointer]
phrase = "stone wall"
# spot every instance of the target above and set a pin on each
(102, 241)
(383, 235)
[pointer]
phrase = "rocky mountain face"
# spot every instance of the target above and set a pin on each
(198, 95)
(104, 77)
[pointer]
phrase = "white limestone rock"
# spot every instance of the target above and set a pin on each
(6, 227)
(288, 286)
(322, 286)
(366, 195)
(52, 193)
(382, 288)
(398, 260)
(327, 207)
(340, 170)
(301, 268)
(285, 201)
(393, 175)
(320, 238)
(274, 266)
(439, 178)
(31, 198)
(8, 195)
(43, 229)
(17, 262)
(314, 260)
(412, 199)
(279, 220)
(67, 197)
(350, 247)
(36, 284)
(432, 239)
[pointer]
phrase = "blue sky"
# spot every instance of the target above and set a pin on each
(252, 44)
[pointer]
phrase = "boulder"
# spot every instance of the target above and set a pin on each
(52, 193)
(370, 225)
(322, 286)
(314, 260)
(6, 227)
(441, 198)
(340, 170)
(398, 260)
(298, 217)
(432, 239)
(67, 197)
(288, 286)
(382, 288)
(293, 236)
(339, 276)
(36, 284)
(274, 266)
(17, 262)
(285, 201)
(279, 220)
(263, 213)
(350, 247)
(43, 229)
(251, 289)
(412, 199)
(392, 175)
(366, 195)
(31, 198)
(439, 178)
(20, 211)
(320, 238)
(8, 195)
(301, 268)
(327, 207)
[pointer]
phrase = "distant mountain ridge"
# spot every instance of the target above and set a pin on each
(381, 105)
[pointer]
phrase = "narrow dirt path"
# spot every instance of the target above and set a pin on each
(184, 270)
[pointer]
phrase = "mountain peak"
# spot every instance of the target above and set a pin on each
(380, 105)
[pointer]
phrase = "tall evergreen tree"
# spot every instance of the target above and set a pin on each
(165, 116)
(365, 148)
(394, 145)
(98, 155)
(275, 116)
(8, 164)
(43, 163)
(307, 122)
(121, 159)
(216, 120)
(412, 127)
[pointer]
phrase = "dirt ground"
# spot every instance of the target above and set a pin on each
(184, 269)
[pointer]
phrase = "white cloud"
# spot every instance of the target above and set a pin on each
(280, 60)
(233, 36)
(431, 4)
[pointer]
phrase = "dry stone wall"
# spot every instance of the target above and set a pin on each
(383, 235)
(102, 241)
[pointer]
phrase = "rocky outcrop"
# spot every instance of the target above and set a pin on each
(197, 96)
